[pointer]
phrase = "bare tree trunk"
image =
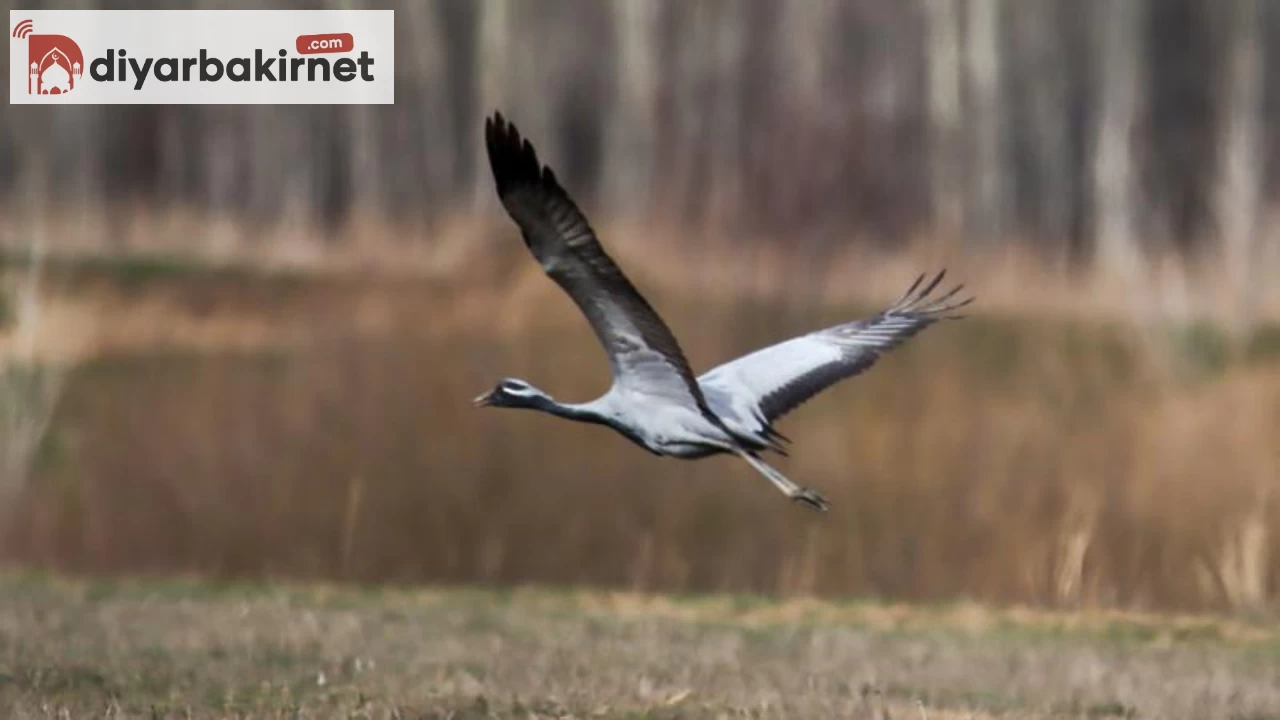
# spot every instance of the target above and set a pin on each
(1114, 179)
(359, 127)
(494, 32)
(692, 79)
(631, 139)
(361, 130)
(1039, 47)
(1239, 169)
(944, 84)
(222, 177)
(804, 28)
(729, 44)
(436, 145)
(984, 221)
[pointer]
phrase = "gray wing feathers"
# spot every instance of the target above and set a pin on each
(643, 353)
(771, 382)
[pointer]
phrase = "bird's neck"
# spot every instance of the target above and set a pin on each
(582, 412)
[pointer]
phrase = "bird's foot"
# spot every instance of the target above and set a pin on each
(811, 498)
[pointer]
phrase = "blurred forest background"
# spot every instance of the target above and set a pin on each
(243, 340)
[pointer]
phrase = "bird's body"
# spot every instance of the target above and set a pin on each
(661, 427)
(664, 428)
(655, 400)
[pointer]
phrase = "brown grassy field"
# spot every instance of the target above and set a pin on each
(177, 649)
(246, 423)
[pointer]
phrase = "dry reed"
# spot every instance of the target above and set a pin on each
(255, 424)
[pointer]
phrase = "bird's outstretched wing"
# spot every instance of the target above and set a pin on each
(772, 381)
(643, 353)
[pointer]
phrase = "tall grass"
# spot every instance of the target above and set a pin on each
(1012, 457)
(29, 383)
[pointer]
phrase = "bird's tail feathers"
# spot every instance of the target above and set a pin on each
(773, 439)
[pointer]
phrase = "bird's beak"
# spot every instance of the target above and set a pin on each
(484, 400)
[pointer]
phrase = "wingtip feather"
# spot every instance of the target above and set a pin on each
(917, 299)
(902, 300)
(924, 293)
(939, 301)
(512, 157)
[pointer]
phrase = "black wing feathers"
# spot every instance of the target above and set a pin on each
(559, 236)
(867, 340)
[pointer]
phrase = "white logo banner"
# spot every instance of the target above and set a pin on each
(206, 57)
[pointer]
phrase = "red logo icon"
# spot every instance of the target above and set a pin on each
(55, 61)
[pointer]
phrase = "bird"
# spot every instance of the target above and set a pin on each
(655, 399)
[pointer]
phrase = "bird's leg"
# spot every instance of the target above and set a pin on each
(800, 494)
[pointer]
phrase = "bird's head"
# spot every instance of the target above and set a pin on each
(511, 392)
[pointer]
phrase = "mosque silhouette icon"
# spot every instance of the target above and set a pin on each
(55, 62)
